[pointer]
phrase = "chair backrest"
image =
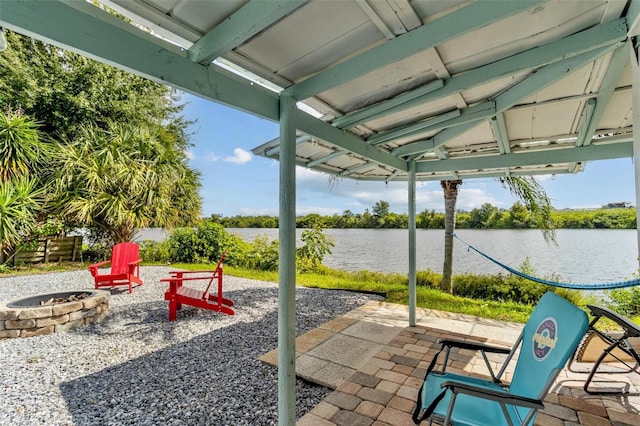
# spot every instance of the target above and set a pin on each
(122, 254)
(550, 337)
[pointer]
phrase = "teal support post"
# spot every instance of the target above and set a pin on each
(412, 243)
(635, 107)
(287, 271)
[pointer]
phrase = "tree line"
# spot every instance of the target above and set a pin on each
(485, 217)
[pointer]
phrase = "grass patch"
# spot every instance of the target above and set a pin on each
(395, 287)
(42, 268)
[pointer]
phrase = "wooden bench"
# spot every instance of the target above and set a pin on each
(179, 294)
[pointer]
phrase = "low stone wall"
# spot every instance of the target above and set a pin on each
(27, 321)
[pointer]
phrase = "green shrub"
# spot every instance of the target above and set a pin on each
(625, 301)
(182, 243)
(96, 252)
(428, 279)
(264, 254)
(210, 242)
(316, 246)
(155, 251)
(509, 287)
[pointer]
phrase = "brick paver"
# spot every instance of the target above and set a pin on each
(383, 392)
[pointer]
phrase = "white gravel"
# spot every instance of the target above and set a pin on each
(137, 368)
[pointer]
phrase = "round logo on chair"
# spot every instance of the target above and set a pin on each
(545, 338)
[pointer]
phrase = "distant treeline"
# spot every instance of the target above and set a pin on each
(485, 217)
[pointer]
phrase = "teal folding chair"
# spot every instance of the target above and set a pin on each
(546, 343)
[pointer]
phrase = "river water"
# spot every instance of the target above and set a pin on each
(581, 256)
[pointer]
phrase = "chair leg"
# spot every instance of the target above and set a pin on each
(173, 308)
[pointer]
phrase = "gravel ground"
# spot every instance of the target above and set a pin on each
(136, 367)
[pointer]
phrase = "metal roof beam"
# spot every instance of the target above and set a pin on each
(393, 174)
(471, 115)
(500, 132)
(476, 15)
(530, 158)
(326, 158)
(633, 16)
(380, 109)
(248, 21)
(412, 128)
(617, 65)
(365, 166)
(573, 45)
(525, 88)
(346, 140)
(85, 29)
(496, 174)
(276, 149)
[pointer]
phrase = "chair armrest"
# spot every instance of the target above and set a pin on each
(181, 279)
(493, 395)
(93, 268)
(135, 262)
(99, 264)
(631, 329)
(191, 272)
(475, 346)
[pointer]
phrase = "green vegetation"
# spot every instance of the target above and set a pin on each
(501, 296)
(88, 146)
(395, 287)
(485, 217)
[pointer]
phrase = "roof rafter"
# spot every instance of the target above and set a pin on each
(473, 16)
(326, 158)
(533, 83)
(380, 109)
(573, 45)
(612, 77)
(530, 158)
(428, 123)
(248, 21)
(346, 140)
(500, 132)
(361, 167)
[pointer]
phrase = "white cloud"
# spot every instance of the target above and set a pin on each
(248, 211)
(212, 157)
(189, 154)
(240, 156)
(322, 211)
(473, 198)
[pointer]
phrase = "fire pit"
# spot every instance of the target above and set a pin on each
(52, 312)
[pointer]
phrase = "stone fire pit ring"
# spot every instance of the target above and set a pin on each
(25, 318)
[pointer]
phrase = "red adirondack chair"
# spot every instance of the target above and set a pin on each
(125, 267)
(179, 294)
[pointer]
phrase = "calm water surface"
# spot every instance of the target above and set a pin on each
(581, 256)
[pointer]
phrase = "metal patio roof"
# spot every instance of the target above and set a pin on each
(464, 88)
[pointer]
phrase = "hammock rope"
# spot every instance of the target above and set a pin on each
(573, 286)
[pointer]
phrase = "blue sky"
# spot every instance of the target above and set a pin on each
(235, 182)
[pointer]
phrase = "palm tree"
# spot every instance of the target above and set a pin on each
(525, 188)
(450, 188)
(21, 194)
(20, 202)
(127, 177)
(21, 150)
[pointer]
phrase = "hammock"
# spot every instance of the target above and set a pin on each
(596, 286)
